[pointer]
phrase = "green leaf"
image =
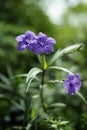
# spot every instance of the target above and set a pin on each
(64, 122)
(17, 105)
(19, 75)
(60, 68)
(31, 75)
(59, 104)
(5, 86)
(81, 96)
(28, 105)
(2, 96)
(66, 50)
(5, 79)
(35, 96)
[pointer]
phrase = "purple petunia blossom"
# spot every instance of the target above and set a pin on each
(44, 44)
(72, 83)
(38, 44)
(26, 41)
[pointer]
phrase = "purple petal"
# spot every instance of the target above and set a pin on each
(66, 84)
(69, 87)
(77, 81)
(29, 47)
(70, 77)
(30, 35)
(42, 35)
(41, 38)
(48, 49)
(71, 90)
(38, 50)
(21, 46)
(32, 45)
(50, 40)
(20, 38)
(76, 78)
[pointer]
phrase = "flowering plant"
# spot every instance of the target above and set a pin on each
(42, 45)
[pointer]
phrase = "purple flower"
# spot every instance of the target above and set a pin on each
(72, 83)
(38, 44)
(44, 44)
(26, 41)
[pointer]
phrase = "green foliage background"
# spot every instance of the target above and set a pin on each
(17, 16)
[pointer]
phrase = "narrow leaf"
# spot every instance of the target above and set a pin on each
(28, 83)
(81, 96)
(17, 105)
(19, 75)
(59, 104)
(2, 96)
(60, 68)
(31, 75)
(28, 105)
(64, 122)
(66, 50)
(5, 86)
(5, 79)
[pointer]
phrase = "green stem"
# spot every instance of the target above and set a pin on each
(41, 91)
(42, 60)
(45, 63)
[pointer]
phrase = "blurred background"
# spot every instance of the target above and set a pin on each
(66, 21)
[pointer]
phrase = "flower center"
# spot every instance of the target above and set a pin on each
(71, 85)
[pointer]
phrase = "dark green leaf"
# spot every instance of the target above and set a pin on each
(5, 79)
(5, 86)
(28, 104)
(19, 106)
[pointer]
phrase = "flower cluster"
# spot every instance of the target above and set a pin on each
(72, 83)
(38, 44)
